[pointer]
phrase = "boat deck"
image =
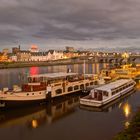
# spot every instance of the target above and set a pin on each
(88, 97)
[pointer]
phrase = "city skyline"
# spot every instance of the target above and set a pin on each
(55, 24)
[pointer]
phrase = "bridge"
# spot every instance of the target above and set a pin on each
(112, 59)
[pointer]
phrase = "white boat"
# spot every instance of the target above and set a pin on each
(106, 93)
(44, 86)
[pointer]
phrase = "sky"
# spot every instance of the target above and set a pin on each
(109, 24)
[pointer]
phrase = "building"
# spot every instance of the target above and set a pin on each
(54, 55)
(38, 56)
(15, 50)
(24, 55)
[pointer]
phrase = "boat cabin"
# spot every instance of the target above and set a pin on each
(40, 82)
(54, 77)
(111, 89)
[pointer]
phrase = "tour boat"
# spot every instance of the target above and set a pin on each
(104, 94)
(44, 86)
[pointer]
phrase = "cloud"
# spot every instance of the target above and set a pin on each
(69, 21)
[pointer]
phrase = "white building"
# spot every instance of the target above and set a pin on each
(54, 55)
(39, 56)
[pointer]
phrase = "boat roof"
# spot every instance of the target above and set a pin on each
(113, 85)
(53, 75)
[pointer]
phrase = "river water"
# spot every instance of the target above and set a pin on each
(64, 119)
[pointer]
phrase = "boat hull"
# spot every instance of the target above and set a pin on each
(19, 103)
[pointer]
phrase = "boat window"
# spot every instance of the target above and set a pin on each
(127, 86)
(117, 90)
(70, 88)
(121, 88)
(27, 94)
(99, 96)
(29, 79)
(58, 91)
(76, 87)
(82, 86)
(105, 93)
(99, 91)
(130, 84)
(39, 92)
(32, 93)
(113, 92)
(91, 83)
(87, 84)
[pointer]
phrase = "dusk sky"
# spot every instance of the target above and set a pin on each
(77, 23)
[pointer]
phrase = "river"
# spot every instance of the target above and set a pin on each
(64, 119)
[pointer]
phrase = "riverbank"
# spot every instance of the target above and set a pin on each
(133, 130)
(7, 65)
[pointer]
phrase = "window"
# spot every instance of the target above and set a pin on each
(87, 84)
(76, 87)
(91, 83)
(27, 94)
(113, 92)
(105, 93)
(70, 88)
(32, 93)
(58, 91)
(82, 86)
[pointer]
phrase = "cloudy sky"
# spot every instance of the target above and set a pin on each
(60, 23)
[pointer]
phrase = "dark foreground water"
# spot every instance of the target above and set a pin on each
(64, 119)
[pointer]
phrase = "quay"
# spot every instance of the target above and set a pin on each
(115, 60)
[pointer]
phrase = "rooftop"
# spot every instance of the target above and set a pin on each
(54, 75)
(113, 85)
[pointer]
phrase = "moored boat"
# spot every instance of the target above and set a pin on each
(104, 94)
(42, 87)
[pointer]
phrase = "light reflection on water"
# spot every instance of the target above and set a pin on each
(65, 119)
(66, 114)
(126, 109)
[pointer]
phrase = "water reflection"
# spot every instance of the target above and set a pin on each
(34, 70)
(126, 109)
(10, 77)
(127, 123)
(33, 117)
(34, 123)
